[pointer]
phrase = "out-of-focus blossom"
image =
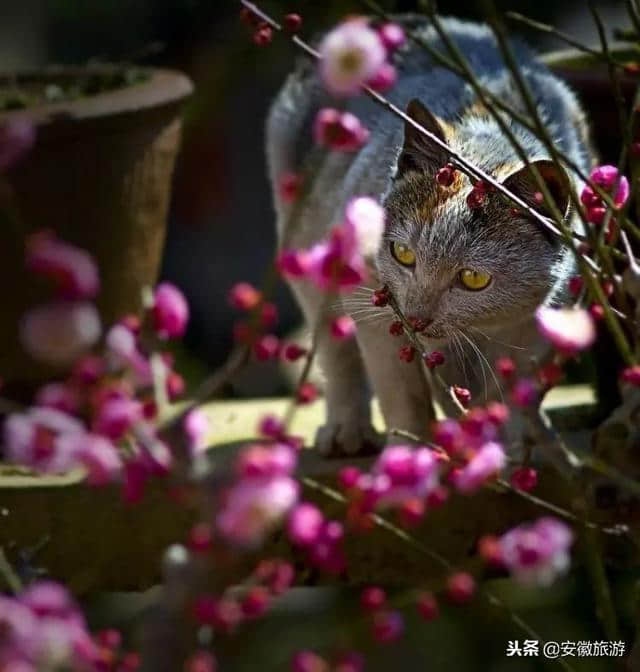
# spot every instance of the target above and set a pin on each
(338, 263)
(388, 626)
(51, 441)
(17, 136)
(366, 217)
(95, 453)
(308, 661)
(399, 474)
(289, 187)
(384, 79)
(350, 55)
(123, 352)
(196, 426)
(524, 392)
(569, 330)
(483, 465)
(201, 661)
(88, 370)
(43, 629)
(320, 538)
(537, 553)
(252, 507)
(244, 296)
(72, 269)
(294, 263)
(338, 130)
(631, 375)
(33, 439)
(392, 35)
(342, 328)
(59, 333)
(460, 587)
(116, 416)
(525, 479)
(170, 311)
(61, 396)
(265, 461)
(305, 524)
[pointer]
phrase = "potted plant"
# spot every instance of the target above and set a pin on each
(99, 175)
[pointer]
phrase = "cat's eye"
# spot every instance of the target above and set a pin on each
(474, 280)
(403, 254)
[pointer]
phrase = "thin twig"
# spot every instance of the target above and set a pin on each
(564, 37)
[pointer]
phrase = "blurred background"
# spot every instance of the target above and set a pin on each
(221, 220)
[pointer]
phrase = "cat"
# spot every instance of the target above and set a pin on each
(433, 242)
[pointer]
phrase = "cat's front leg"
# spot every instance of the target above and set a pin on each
(347, 429)
(401, 387)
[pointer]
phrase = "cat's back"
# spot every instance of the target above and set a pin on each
(421, 76)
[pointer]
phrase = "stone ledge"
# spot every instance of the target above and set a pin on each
(96, 542)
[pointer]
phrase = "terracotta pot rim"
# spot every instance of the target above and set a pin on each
(575, 59)
(163, 87)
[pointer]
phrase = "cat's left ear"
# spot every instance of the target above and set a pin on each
(524, 184)
(419, 152)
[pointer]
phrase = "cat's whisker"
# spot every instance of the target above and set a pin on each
(491, 371)
(462, 357)
(495, 340)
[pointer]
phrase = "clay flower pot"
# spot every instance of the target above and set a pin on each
(99, 175)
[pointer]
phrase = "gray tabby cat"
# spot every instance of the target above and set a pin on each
(475, 277)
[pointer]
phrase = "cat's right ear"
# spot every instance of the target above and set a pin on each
(419, 152)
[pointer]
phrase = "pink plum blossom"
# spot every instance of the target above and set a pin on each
(366, 217)
(294, 263)
(400, 474)
(265, 461)
(392, 35)
(350, 55)
(196, 426)
(537, 553)
(116, 416)
(72, 269)
(44, 629)
(252, 507)
(569, 330)
(488, 461)
(59, 333)
(305, 524)
(342, 328)
(51, 441)
(17, 136)
(123, 352)
(61, 396)
(605, 177)
(384, 79)
(170, 311)
(95, 453)
(339, 262)
(341, 131)
(33, 439)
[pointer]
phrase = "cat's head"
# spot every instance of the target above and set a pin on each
(457, 267)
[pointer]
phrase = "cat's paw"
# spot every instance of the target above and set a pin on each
(348, 438)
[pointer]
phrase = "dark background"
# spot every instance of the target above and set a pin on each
(221, 223)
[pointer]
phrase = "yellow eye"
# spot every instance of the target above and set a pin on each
(402, 254)
(474, 280)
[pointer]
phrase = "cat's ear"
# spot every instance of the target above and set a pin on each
(418, 151)
(524, 184)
